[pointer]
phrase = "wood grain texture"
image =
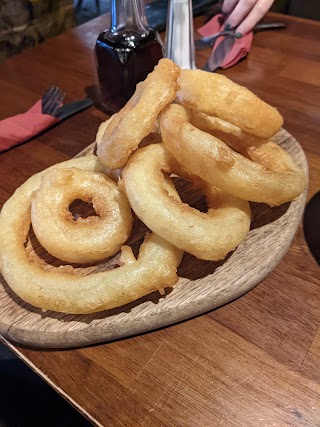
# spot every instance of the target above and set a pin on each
(253, 362)
(202, 286)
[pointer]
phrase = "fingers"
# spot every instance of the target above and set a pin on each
(240, 11)
(259, 10)
(246, 13)
(228, 6)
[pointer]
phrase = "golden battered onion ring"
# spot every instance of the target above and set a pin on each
(209, 236)
(152, 138)
(60, 290)
(85, 239)
(216, 95)
(102, 129)
(230, 134)
(260, 150)
(211, 159)
(138, 117)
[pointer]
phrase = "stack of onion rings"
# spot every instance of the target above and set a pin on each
(218, 138)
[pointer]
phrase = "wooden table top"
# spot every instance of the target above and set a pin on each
(254, 362)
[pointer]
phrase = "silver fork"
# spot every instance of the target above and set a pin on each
(51, 100)
(209, 41)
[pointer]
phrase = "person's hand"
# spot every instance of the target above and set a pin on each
(244, 14)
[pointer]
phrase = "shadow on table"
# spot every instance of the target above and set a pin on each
(93, 92)
(27, 401)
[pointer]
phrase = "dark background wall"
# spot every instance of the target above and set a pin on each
(309, 9)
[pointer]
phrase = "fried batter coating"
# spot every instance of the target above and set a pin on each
(138, 117)
(211, 159)
(84, 239)
(208, 236)
(260, 150)
(216, 95)
(63, 289)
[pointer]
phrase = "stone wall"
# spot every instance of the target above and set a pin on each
(26, 23)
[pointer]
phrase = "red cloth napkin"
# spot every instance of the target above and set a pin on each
(240, 48)
(22, 127)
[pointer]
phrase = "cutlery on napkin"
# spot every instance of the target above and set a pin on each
(227, 50)
(45, 113)
(209, 41)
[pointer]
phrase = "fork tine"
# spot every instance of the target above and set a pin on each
(55, 105)
(53, 101)
(51, 95)
(50, 98)
(58, 103)
(47, 95)
(47, 92)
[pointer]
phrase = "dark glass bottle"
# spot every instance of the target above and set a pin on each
(125, 54)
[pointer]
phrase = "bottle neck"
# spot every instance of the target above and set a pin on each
(143, 13)
(179, 33)
(127, 22)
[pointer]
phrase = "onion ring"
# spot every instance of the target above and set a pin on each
(85, 239)
(211, 159)
(62, 291)
(230, 134)
(260, 150)
(138, 117)
(216, 95)
(102, 128)
(209, 236)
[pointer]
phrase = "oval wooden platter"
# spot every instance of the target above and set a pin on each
(203, 285)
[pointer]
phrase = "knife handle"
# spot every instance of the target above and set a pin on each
(68, 110)
(269, 26)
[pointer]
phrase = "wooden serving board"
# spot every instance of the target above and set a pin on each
(203, 285)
